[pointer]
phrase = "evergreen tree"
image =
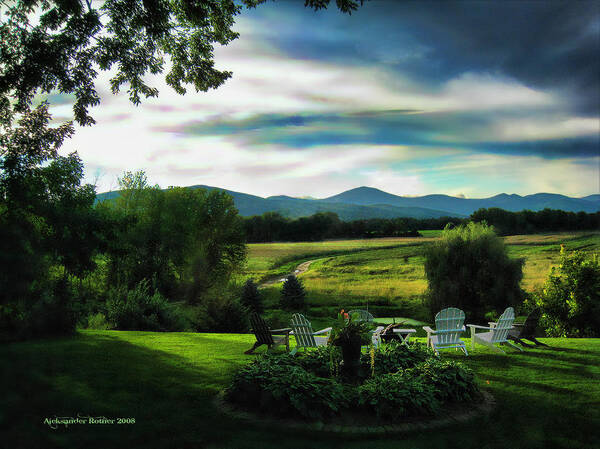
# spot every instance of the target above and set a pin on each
(292, 294)
(251, 297)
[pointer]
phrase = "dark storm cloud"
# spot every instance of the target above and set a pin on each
(465, 130)
(544, 44)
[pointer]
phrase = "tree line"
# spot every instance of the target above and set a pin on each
(530, 222)
(67, 261)
(274, 227)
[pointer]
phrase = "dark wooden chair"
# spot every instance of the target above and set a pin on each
(266, 336)
(526, 330)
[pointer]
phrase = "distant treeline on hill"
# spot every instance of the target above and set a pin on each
(273, 227)
(529, 222)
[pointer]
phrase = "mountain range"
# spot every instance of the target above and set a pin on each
(368, 202)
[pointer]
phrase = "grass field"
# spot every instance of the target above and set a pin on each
(388, 274)
(546, 398)
(267, 259)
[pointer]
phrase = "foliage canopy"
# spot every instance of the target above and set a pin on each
(570, 299)
(469, 268)
(61, 45)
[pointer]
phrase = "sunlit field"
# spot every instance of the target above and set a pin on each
(388, 274)
(267, 259)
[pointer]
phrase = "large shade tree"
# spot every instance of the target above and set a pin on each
(60, 45)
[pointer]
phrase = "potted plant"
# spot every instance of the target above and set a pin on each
(350, 333)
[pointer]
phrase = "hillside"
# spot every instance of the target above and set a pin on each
(368, 202)
(466, 206)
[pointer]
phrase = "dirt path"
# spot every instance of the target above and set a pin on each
(299, 270)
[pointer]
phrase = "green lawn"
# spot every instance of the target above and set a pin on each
(547, 397)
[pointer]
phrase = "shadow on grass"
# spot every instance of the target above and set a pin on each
(102, 375)
(167, 383)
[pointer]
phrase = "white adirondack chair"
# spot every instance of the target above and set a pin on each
(449, 324)
(364, 315)
(496, 334)
(305, 337)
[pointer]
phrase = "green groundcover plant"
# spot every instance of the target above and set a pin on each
(398, 382)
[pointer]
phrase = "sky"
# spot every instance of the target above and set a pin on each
(412, 97)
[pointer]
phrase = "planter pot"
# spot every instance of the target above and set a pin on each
(350, 366)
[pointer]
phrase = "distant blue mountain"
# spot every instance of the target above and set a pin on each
(368, 202)
(593, 198)
(466, 206)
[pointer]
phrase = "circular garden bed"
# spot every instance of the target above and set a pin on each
(395, 385)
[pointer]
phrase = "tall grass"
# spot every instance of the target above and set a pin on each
(389, 272)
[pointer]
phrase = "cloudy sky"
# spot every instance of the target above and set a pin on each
(469, 98)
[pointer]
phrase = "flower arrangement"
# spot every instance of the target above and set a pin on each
(350, 331)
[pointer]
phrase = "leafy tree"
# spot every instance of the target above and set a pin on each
(141, 309)
(292, 294)
(133, 190)
(469, 268)
(48, 227)
(222, 314)
(186, 240)
(48, 45)
(570, 299)
(251, 297)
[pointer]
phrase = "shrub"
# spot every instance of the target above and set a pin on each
(97, 321)
(308, 384)
(322, 361)
(52, 313)
(292, 294)
(47, 311)
(393, 396)
(469, 268)
(138, 309)
(278, 319)
(451, 380)
(222, 315)
(251, 297)
(570, 299)
(278, 385)
(393, 356)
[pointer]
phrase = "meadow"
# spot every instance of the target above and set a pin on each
(387, 275)
(163, 385)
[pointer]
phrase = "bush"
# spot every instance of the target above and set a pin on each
(278, 385)
(278, 319)
(292, 294)
(138, 309)
(451, 380)
(393, 356)
(251, 297)
(570, 299)
(394, 396)
(322, 361)
(469, 268)
(225, 314)
(407, 381)
(97, 321)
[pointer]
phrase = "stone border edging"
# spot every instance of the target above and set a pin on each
(479, 409)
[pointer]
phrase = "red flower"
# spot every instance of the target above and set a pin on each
(346, 315)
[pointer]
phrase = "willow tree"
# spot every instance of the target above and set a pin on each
(469, 268)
